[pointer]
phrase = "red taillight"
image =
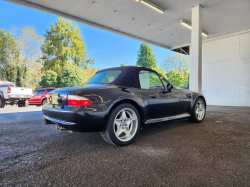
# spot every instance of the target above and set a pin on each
(79, 102)
(9, 90)
(74, 100)
(32, 91)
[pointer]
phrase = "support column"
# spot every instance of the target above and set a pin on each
(195, 72)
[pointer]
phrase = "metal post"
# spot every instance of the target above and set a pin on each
(196, 50)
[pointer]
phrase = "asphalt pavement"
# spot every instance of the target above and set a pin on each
(175, 153)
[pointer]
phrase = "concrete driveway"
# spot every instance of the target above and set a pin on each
(177, 153)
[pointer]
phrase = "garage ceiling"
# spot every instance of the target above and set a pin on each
(135, 20)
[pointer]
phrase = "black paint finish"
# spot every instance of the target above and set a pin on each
(126, 88)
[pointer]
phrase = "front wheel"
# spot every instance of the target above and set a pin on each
(122, 125)
(198, 111)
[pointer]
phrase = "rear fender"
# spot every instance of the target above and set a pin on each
(141, 107)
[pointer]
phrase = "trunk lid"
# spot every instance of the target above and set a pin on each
(86, 89)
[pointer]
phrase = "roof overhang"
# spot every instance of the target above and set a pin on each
(134, 20)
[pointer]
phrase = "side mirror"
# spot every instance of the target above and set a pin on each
(169, 86)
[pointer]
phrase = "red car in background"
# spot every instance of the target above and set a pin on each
(40, 96)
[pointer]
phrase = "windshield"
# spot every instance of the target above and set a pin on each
(105, 77)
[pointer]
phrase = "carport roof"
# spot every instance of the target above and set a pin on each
(137, 21)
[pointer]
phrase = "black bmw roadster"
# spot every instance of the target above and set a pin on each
(117, 101)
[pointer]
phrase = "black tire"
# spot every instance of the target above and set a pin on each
(26, 103)
(20, 103)
(44, 102)
(2, 102)
(194, 118)
(108, 133)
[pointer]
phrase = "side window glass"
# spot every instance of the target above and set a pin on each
(40, 92)
(150, 80)
(35, 93)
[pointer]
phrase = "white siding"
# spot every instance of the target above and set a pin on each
(226, 71)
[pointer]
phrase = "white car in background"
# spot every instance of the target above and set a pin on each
(9, 94)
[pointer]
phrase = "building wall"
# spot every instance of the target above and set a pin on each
(226, 70)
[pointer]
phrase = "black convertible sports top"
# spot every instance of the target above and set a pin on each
(129, 76)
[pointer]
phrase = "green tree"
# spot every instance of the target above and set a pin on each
(28, 55)
(160, 71)
(63, 48)
(180, 64)
(70, 77)
(177, 62)
(123, 64)
(49, 79)
(145, 57)
(88, 73)
(175, 78)
(18, 76)
(7, 56)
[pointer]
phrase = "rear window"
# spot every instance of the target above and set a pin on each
(105, 77)
(39, 92)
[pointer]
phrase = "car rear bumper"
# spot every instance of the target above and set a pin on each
(75, 121)
(56, 121)
(20, 96)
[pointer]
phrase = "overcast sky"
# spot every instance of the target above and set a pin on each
(108, 49)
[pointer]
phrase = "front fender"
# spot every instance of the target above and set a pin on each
(195, 96)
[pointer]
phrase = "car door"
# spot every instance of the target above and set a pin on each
(41, 96)
(161, 102)
(33, 99)
(176, 102)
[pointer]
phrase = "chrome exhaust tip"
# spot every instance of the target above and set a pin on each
(60, 127)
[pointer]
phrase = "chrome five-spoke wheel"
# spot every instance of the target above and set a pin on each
(200, 110)
(122, 125)
(125, 124)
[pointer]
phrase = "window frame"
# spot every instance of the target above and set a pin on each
(159, 76)
(167, 82)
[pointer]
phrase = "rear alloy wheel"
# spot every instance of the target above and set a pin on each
(44, 102)
(2, 102)
(122, 125)
(198, 111)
